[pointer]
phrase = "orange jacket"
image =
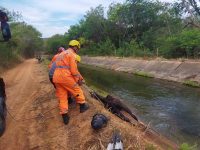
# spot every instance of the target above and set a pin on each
(65, 66)
(53, 59)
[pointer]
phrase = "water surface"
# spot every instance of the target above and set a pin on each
(171, 108)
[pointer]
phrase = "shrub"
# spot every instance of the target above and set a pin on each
(185, 146)
(144, 74)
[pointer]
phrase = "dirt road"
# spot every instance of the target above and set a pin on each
(29, 96)
(35, 123)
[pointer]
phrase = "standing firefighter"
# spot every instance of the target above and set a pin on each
(67, 79)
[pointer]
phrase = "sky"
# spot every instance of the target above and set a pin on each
(54, 16)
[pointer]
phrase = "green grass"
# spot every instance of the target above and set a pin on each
(150, 147)
(46, 61)
(101, 92)
(191, 83)
(144, 74)
(185, 146)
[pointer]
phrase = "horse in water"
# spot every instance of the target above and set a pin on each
(3, 109)
(115, 106)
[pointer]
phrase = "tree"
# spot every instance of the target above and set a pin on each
(139, 28)
(93, 24)
(26, 40)
(190, 10)
(53, 43)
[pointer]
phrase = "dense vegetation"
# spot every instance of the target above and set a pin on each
(138, 28)
(134, 28)
(26, 40)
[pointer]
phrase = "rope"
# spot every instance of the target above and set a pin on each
(91, 91)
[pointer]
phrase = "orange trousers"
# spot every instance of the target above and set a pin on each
(62, 90)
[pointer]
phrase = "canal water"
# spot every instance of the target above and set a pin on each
(171, 108)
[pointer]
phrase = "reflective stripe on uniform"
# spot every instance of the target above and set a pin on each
(75, 74)
(54, 66)
(66, 67)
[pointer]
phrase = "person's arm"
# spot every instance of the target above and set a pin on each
(81, 77)
(73, 69)
(53, 59)
(50, 64)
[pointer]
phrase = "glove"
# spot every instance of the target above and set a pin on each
(80, 82)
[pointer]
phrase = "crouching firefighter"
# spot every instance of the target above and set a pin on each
(60, 49)
(67, 79)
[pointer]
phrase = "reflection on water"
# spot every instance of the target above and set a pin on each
(171, 108)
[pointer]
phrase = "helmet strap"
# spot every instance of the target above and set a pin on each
(75, 48)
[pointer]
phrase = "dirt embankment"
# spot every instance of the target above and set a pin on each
(173, 70)
(35, 123)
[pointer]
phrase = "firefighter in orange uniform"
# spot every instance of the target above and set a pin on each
(67, 79)
(60, 49)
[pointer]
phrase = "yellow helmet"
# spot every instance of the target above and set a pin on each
(78, 58)
(75, 43)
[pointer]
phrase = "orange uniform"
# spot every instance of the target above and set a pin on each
(65, 77)
(53, 59)
(49, 66)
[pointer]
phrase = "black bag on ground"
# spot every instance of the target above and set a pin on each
(99, 121)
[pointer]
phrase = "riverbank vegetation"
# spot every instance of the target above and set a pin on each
(25, 41)
(134, 28)
(191, 83)
(186, 146)
(138, 28)
(144, 74)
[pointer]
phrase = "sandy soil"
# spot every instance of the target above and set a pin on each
(35, 123)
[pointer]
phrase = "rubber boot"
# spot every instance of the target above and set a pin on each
(83, 107)
(65, 118)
